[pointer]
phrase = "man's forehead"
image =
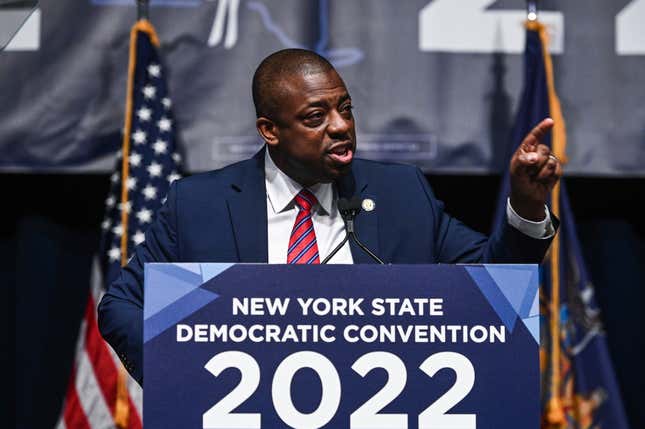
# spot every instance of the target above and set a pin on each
(311, 87)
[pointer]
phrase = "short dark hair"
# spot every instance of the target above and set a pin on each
(274, 69)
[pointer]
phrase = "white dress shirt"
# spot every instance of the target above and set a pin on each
(282, 211)
(328, 224)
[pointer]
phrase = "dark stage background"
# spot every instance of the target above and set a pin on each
(49, 230)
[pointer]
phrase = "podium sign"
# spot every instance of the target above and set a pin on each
(341, 346)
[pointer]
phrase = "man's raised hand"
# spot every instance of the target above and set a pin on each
(534, 171)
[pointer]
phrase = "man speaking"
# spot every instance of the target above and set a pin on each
(282, 206)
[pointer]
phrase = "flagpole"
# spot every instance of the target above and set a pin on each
(531, 10)
(121, 412)
(554, 408)
(142, 10)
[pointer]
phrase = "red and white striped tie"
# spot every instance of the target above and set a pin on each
(303, 248)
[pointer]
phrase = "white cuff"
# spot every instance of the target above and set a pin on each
(540, 230)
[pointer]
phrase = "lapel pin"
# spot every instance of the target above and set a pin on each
(368, 204)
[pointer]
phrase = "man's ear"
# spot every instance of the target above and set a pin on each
(268, 130)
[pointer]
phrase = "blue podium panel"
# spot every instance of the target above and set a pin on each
(341, 346)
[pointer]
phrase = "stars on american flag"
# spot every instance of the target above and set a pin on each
(164, 124)
(154, 169)
(149, 91)
(138, 237)
(117, 230)
(144, 114)
(105, 225)
(131, 183)
(153, 161)
(135, 159)
(144, 215)
(127, 206)
(173, 176)
(114, 254)
(154, 70)
(139, 137)
(149, 192)
(160, 147)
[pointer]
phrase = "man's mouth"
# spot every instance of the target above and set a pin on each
(341, 153)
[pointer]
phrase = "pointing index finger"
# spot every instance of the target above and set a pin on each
(537, 134)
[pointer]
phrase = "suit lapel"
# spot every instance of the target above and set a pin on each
(248, 212)
(366, 223)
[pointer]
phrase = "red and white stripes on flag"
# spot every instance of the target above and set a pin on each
(91, 398)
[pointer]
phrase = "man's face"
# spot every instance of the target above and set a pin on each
(315, 136)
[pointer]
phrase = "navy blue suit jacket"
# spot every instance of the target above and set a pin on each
(221, 216)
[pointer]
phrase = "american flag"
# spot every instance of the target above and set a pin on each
(100, 393)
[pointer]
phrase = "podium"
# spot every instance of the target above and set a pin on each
(341, 346)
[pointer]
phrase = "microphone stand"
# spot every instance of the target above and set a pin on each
(337, 248)
(349, 209)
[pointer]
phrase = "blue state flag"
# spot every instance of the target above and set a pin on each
(579, 387)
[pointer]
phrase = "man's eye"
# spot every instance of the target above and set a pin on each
(347, 108)
(314, 118)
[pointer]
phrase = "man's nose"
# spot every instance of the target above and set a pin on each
(338, 124)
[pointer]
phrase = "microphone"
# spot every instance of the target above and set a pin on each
(349, 209)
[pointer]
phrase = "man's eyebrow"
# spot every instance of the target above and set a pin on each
(317, 103)
(344, 98)
(324, 103)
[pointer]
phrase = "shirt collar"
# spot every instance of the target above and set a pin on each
(281, 189)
